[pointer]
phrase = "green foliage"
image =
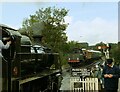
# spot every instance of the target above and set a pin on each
(72, 45)
(100, 44)
(116, 54)
(48, 22)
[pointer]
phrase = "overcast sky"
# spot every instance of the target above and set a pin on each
(90, 22)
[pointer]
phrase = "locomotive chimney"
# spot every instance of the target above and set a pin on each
(37, 39)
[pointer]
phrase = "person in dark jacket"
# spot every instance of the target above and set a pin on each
(111, 75)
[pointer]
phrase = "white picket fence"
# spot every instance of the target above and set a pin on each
(83, 85)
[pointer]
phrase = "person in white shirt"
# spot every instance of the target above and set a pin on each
(2, 46)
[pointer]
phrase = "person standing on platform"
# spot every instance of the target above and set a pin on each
(111, 75)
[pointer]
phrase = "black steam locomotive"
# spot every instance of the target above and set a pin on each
(27, 67)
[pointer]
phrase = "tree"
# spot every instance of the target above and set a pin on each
(116, 53)
(49, 23)
(72, 45)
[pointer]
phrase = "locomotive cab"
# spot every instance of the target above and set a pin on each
(9, 54)
(14, 36)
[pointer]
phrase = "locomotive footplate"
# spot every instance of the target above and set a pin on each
(38, 76)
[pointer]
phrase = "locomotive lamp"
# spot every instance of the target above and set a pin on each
(99, 47)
